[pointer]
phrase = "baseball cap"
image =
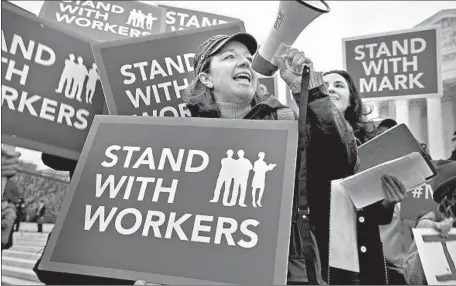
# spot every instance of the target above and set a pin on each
(215, 43)
(445, 180)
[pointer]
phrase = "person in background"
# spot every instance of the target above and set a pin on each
(453, 143)
(40, 211)
(20, 208)
(10, 162)
(345, 96)
(385, 125)
(442, 219)
(10, 196)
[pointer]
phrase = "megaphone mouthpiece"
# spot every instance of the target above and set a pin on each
(292, 18)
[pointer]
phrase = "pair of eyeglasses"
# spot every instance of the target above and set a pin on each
(448, 205)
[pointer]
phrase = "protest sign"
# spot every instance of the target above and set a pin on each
(105, 20)
(149, 75)
(183, 19)
(50, 85)
(402, 64)
(418, 202)
(270, 83)
(213, 208)
(437, 255)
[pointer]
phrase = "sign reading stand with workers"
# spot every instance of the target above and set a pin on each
(214, 208)
(106, 20)
(148, 76)
(51, 88)
(397, 65)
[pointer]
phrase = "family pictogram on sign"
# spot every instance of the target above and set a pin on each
(238, 170)
(74, 75)
(137, 19)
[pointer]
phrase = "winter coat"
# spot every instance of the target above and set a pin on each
(372, 263)
(329, 139)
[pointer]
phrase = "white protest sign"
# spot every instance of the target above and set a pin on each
(437, 255)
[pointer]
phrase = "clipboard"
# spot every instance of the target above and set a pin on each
(392, 144)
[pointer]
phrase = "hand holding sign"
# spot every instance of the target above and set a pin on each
(394, 189)
(445, 226)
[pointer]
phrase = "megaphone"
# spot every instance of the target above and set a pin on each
(292, 17)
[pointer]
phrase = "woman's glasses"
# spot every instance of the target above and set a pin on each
(448, 205)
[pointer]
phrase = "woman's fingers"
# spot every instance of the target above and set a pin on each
(387, 185)
(298, 63)
(399, 188)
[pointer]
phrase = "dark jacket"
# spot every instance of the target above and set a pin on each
(329, 139)
(331, 155)
(370, 248)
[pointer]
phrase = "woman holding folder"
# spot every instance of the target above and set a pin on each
(372, 268)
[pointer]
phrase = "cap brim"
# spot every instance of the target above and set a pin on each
(444, 188)
(247, 39)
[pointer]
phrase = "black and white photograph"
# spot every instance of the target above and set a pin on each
(284, 142)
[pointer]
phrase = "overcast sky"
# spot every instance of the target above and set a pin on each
(322, 39)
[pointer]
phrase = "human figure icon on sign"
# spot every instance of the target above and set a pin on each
(132, 17)
(66, 77)
(94, 77)
(260, 168)
(225, 178)
(242, 171)
(79, 79)
(150, 21)
(140, 19)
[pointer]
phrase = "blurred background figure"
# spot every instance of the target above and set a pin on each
(453, 143)
(20, 211)
(40, 211)
(385, 125)
(10, 197)
(442, 219)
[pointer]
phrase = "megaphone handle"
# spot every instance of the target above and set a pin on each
(302, 213)
(301, 174)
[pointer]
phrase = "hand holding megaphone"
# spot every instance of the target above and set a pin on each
(291, 63)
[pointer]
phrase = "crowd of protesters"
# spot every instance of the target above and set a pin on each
(226, 87)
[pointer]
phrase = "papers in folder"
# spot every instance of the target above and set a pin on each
(365, 188)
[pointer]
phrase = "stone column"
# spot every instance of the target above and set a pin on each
(435, 128)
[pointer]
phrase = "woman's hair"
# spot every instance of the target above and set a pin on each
(199, 95)
(356, 112)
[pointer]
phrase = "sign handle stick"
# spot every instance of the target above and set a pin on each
(7, 148)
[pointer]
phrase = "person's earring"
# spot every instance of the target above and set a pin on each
(209, 85)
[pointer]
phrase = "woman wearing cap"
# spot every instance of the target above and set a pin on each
(346, 98)
(225, 86)
(442, 219)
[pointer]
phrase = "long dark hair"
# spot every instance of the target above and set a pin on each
(357, 111)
